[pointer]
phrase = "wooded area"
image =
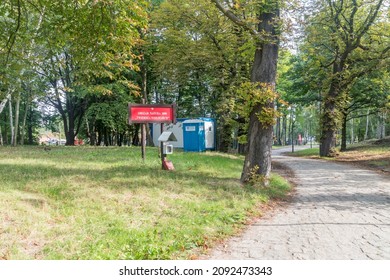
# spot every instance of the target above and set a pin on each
(270, 72)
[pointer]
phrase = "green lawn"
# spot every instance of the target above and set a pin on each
(105, 203)
(372, 154)
(313, 152)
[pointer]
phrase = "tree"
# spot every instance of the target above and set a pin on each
(263, 75)
(200, 57)
(367, 96)
(19, 25)
(96, 42)
(75, 44)
(347, 39)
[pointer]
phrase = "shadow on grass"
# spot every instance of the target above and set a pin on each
(36, 177)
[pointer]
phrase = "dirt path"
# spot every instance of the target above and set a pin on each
(338, 212)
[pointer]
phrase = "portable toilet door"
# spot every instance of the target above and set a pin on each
(194, 136)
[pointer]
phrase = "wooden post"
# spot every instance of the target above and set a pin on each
(162, 147)
(143, 138)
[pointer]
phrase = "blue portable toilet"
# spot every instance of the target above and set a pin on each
(194, 136)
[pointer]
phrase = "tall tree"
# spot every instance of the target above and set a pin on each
(200, 57)
(87, 42)
(263, 76)
(346, 44)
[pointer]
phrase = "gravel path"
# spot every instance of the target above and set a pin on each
(338, 212)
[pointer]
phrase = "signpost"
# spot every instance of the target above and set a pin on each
(147, 113)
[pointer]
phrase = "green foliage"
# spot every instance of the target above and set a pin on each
(253, 95)
(71, 50)
(200, 56)
(345, 42)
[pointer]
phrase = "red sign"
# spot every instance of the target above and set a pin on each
(141, 113)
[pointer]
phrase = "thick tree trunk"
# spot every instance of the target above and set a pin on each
(329, 119)
(258, 157)
(260, 136)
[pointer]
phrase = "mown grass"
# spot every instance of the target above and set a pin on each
(105, 203)
(312, 152)
(373, 154)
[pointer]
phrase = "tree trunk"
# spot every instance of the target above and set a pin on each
(329, 119)
(11, 124)
(279, 131)
(284, 130)
(381, 130)
(70, 133)
(30, 126)
(4, 102)
(135, 140)
(367, 125)
(17, 113)
(225, 137)
(100, 135)
(1, 137)
(106, 140)
(260, 136)
(2, 106)
(23, 128)
(344, 134)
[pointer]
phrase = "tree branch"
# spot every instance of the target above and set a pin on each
(230, 15)
(367, 23)
(361, 116)
(12, 38)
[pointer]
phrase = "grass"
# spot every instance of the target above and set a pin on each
(373, 154)
(105, 203)
(313, 152)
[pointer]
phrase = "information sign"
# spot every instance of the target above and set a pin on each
(159, 113)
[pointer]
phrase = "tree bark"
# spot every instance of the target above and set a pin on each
(4, 102)
(284, 130)
(23, 127)
(17, 114)
(344, 133)
(367, 125)
(11, 123)
(260, 136)
(279, 131)
(225, 137)
(2, 106)
(329, 120)
(30, 126)
(1, 137)
(381, 130)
